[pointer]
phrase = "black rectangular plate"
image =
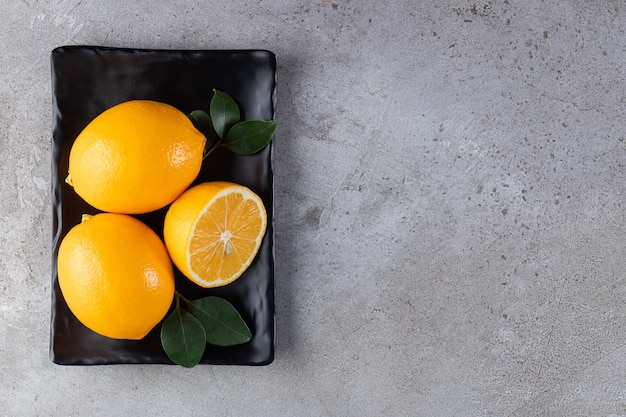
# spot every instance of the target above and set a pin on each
(86, 80)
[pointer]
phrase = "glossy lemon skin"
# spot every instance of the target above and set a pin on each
(115, 276)
(135, 157)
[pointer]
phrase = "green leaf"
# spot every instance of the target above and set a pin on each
(202, 121)
(222, 323)
(250, 136)
(224, 112)
(183, 338)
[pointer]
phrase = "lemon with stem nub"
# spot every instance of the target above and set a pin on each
(135, 157)
(115, 275)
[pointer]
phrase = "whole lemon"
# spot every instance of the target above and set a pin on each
(115, 275)
(135, 157)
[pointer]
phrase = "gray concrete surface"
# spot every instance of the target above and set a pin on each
(450, 220)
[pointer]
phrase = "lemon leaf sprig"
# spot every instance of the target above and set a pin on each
(209, 320)
(222, 126)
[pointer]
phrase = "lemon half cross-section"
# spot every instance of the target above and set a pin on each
(214, 231)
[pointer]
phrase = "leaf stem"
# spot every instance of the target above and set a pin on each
(214, 147)
(179, 297)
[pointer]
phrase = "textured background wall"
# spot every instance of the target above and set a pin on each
(450, 188)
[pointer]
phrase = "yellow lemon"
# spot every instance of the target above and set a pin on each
(213, 232)
(115, 275)
(135, 157)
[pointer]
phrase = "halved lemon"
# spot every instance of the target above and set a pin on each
(213, 232)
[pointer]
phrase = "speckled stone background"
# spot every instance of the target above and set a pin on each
(450, 189)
